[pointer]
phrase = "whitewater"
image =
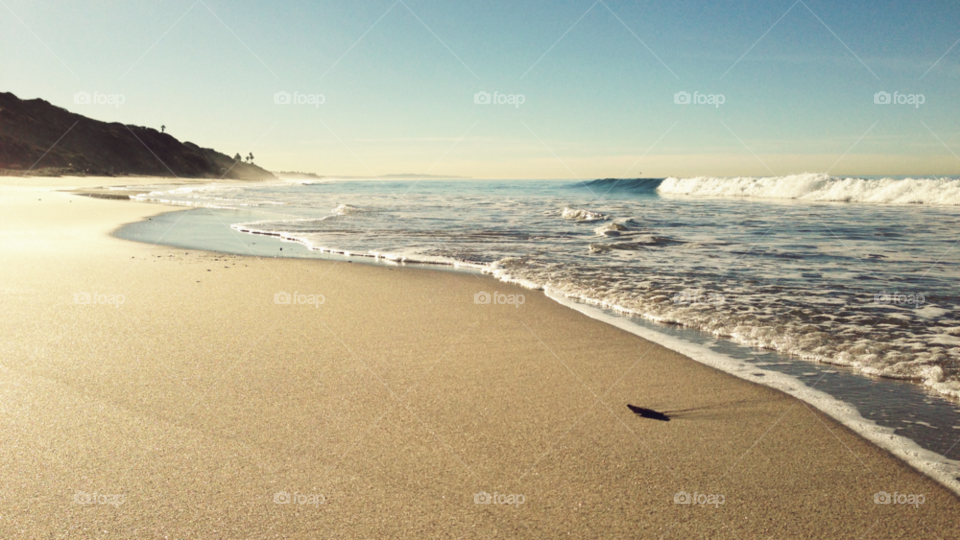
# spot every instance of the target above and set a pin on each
(821, 187)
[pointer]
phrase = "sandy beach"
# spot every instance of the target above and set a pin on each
(150, 392)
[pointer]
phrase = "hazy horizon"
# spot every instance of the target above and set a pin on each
(588, 89)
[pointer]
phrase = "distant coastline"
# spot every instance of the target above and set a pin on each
(401, 176)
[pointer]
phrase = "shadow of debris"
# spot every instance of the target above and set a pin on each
(648, 413)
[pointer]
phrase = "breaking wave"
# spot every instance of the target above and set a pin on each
(821, 188)
(622, 185)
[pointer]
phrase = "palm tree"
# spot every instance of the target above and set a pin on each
(250, 157)
(163, 128)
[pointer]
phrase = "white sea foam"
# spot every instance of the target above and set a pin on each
(821, 187)
(579, 214)
(346, 209)
(610, 229)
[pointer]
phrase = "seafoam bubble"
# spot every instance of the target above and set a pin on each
(609, 229)
(346, 209)
(579, 214)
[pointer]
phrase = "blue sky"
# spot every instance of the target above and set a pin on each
(598, 80)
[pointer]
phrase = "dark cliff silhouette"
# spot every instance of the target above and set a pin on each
(29, 128)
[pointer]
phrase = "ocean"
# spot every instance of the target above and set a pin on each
(849, 282)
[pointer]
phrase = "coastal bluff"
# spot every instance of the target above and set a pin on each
(45, 139)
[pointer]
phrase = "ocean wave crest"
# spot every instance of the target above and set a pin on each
(821, 187)
(629, 185)
(346, 209)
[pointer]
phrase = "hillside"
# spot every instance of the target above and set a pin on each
(28, 128)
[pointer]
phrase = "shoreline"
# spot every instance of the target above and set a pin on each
(594, 356)
(945, 471)
(780, 341)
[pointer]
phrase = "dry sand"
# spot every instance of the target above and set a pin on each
(394, 402)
